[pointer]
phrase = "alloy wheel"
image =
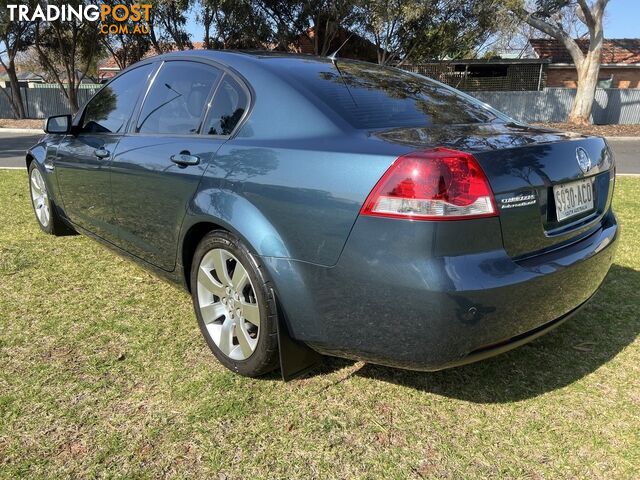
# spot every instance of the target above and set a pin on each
(40, 198)
(228, 304)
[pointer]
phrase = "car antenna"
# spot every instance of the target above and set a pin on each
(334, 59)
(334, 56)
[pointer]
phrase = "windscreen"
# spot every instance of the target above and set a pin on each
(372, 97)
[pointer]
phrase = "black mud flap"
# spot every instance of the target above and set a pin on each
(296, 358)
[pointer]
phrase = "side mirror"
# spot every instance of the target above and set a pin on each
(58, 124)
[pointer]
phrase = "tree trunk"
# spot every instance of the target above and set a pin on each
(73, 98)
(379, 50)
(16, 95)
(316, 34)
(587, 65)
(207, 17)
(151, 24)
(587, 81)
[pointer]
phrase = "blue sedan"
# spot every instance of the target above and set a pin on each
(325, 206)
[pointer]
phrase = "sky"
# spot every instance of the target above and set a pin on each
(622, 21)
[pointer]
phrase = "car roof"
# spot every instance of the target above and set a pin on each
(259, 58)
(255, 54)
(254, 63)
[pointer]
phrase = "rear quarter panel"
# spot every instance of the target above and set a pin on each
(294, 199)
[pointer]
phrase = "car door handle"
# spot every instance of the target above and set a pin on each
(101, 153)
(184, 158)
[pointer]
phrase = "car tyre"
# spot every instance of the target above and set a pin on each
(234, 305)
(44, 209)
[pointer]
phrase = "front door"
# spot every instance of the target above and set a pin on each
(83, 163)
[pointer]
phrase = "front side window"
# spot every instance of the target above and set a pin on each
(177, 99)
(110, 109)
(229, 104)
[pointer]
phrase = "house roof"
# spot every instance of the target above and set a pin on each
(614, 50)
(356, 46)
(108, 63)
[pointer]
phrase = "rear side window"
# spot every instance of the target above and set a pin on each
(109, 110)
(370, 97)
(229, 104)
(177, 99)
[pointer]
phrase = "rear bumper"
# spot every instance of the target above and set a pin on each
(388, 302)
(488, 351)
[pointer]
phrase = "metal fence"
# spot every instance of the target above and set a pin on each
(42, 102)
(493, 76)
(612, 106)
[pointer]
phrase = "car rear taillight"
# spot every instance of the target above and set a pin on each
(439, 184)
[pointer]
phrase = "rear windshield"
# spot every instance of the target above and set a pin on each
(371, 97)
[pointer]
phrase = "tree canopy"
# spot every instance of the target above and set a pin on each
(401, 30)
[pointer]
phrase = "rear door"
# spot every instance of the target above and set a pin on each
(83, 163)
(158, 165)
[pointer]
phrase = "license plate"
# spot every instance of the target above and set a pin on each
(573, 198)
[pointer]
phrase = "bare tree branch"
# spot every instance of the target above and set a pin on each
(557, 33)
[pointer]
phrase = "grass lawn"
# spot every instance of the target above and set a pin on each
(104, 374)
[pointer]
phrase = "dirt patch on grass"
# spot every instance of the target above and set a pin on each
(601, 130)
(26, 123)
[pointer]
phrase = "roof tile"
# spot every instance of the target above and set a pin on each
(620, 50)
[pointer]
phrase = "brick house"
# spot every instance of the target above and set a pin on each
(620, 62)
(356, 47)
(108, 68)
